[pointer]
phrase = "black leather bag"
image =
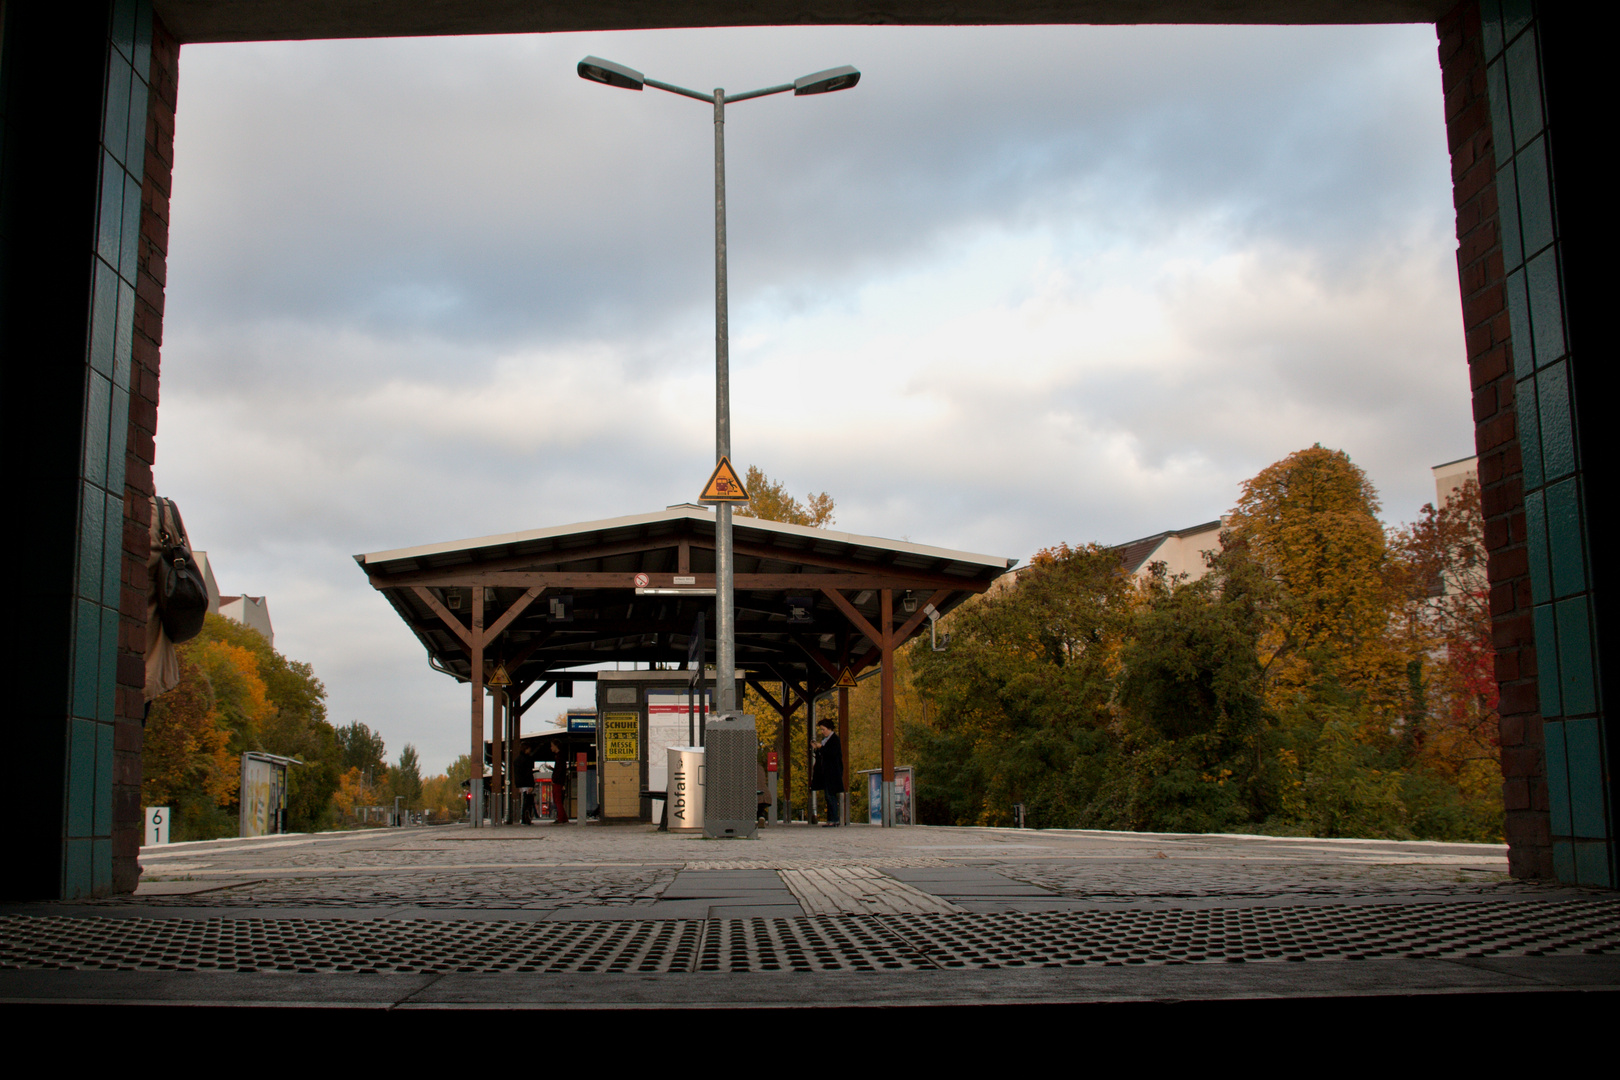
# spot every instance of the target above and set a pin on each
(182, 593)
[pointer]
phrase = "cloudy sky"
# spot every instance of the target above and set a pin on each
(1021, 286)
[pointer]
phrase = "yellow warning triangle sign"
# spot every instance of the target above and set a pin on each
(845, 678)
(499, 677)
(723, 485)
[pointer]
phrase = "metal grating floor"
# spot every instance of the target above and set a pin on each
(831, 943)
(346, 945)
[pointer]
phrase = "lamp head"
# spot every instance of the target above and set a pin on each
(607, 72)
(822, 82)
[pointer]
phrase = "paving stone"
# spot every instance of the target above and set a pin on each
(752, 910)
(544, 869)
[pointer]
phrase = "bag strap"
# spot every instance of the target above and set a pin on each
(171, 530)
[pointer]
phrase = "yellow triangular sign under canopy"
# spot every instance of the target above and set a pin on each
(846, 678)
(724, 486)
(499, 677)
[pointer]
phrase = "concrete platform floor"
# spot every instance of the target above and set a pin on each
(586, 916)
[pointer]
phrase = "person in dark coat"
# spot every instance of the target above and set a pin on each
(828, 774)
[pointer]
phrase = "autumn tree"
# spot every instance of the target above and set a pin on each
(441, 798)
(217, 712)
(1190, 699)
(1311, 521)
(1021, 699)
(1325, 677)
(363, 749)
(1451, 732)
(295, 725)
(405, 779)
(1334, 656)
(1450, 601)
(356, 789)
(769, 499)
(237, 694)
(186, 761)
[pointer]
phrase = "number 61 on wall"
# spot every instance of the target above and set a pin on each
(157, 825)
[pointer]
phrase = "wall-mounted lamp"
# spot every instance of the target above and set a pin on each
(933, 629)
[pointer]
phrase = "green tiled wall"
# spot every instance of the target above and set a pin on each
(87, 815)
(1555, 501)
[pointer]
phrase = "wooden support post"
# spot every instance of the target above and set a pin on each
(476, 646)
(886, 709)
(785, 765)
(476, 639)
(843, 741)
(509, 762)
(497, 758)
(809, 757)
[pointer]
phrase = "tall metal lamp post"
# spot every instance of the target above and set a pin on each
(595, 69)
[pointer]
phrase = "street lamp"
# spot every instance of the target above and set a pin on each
(595, 69)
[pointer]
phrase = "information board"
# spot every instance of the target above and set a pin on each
(667, 726)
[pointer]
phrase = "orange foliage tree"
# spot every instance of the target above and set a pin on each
(769, 499)
(354, 790)
(1311, 522)
(235, 694)
(186, 750)
(1453, 730)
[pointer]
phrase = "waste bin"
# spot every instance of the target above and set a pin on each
(683, 801)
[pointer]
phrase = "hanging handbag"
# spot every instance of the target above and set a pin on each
(182, 594)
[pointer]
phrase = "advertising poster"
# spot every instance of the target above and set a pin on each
(904, 813)
(620, 733)
(902, 796)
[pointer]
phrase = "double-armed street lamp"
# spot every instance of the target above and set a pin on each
(608, 73)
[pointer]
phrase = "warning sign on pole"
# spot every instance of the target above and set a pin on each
(499, 677)
(724, 486)
(846, 678)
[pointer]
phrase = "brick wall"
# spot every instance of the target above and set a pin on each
(1490, 363)
(140, 452)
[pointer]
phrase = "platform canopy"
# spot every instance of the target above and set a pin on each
(544, 604)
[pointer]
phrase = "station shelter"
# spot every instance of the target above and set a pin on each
(519, 614)
(642, 715)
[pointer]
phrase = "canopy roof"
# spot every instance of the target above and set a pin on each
(809, 601)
